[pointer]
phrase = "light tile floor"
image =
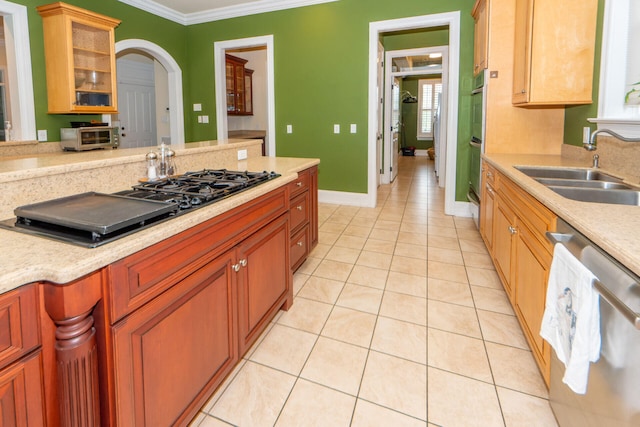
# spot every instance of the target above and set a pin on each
(399, 319)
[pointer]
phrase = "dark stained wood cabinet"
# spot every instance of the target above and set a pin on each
(303, 214)
(239, 83)
(184, 311)
(263, 279)
(21, 384)
(169, 353)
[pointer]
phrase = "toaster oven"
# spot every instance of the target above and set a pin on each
(89, 138)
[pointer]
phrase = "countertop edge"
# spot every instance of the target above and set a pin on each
(81, 261)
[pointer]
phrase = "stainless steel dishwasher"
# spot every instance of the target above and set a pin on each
(613, 389)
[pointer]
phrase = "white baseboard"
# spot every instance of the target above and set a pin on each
(345, 198)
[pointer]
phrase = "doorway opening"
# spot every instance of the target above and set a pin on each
(376, 30)
(405, 70)
(166, 77)
(258, 51)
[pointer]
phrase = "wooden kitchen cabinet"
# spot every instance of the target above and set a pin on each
(531, 269)
(480, 36)
(511, 129)
(488, 205)
(239, 86)
(79, 60)
(554, 46)
(263, 279)
(304, 215)
(522, 256)
(21, 386)
(171, 351)
(504, 228)
(181, 313)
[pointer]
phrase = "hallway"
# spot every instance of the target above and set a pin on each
(399, 319)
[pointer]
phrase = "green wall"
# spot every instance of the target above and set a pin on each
(135, 24)
(321, 74)
(575, 117)
(321, 78)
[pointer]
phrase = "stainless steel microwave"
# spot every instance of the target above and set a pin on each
(89, 138)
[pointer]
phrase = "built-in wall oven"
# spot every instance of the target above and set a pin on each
(476, 143)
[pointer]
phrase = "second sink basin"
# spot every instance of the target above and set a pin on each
(579, 183)
(598, 195)
(567, 173)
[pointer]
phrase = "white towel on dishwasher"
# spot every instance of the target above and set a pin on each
(571, 320)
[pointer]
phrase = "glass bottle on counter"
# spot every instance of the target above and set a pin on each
(152, 166)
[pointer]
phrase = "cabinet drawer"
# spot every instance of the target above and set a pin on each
(488, 173)
(299, 211)
(19, 332)
(301, 184)
(299, 247)
(537, 216)
(140, 277)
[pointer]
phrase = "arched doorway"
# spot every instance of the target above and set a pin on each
(174, 77)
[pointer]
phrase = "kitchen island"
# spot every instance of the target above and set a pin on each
(140, 331)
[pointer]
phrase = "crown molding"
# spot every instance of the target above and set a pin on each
(252, 8)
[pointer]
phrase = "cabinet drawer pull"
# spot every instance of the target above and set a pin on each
(524, 91)
(236, 267)
(299, 207)
(300, 243)
(512, 229)
(489, 174)
(299, 183)
(243, 262)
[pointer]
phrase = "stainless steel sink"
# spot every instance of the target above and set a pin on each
(567, 173)
(580, 183)
(599, 195)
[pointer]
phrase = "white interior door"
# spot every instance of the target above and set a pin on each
(395, 126)
(136, 102)
(136, 107)
(380, 112)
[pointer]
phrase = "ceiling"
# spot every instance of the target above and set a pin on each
(188, 12)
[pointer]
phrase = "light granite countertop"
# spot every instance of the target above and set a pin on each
(614, 228)
(27, 259)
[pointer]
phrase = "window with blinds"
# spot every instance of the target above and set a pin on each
(429, 91)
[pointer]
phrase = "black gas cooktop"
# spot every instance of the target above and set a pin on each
(93, 219)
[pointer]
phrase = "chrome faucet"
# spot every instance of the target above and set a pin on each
(591, 146)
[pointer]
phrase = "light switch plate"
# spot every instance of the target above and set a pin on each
(242, 154)
(354, 128)
(205, 119)
(197, 107)
(289, 129)
(336, 128)
(42, 135)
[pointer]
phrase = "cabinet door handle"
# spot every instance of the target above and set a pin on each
(512, 229)
(299, 184)
(236, 267)
(299, 207)
(243, 262)
(524, 91)
(300, 243)
(489, 189)
(489, 174)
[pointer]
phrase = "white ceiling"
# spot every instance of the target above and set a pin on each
(188, 12)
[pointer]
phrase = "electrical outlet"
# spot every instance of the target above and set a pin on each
(242, 154)
(42, 135)
(336, 128)
(289, 129)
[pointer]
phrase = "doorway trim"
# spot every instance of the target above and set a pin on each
(219, 49)
(174, 75)
(452, 20)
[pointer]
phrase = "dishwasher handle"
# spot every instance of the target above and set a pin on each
(609, 296)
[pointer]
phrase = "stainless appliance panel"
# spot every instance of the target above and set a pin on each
(612, 397)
